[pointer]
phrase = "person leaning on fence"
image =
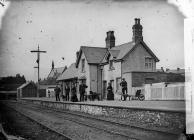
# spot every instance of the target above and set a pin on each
(123, 85)
(67, 90)
(57, 92)
(82, 90)
(110, 95)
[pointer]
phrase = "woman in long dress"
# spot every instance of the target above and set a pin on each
(110, 95)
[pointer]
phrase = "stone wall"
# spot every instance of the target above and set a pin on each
(160, 120)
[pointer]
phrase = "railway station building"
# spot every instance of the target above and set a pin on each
(134, 61)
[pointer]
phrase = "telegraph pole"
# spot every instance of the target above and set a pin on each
(38, 62)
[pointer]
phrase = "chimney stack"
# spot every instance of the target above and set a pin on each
(137, 31)
(110, 39)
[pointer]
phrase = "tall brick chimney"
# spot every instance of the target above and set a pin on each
(137, 31)
(110, 39)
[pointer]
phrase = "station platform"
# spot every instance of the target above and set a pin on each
(167, 116)
(166, 105)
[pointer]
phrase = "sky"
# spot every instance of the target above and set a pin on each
(61, 27)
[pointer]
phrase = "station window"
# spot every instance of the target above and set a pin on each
(148, 63)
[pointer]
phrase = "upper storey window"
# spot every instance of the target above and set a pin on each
(149, 63)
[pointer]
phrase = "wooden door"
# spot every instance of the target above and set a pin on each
(104, 90)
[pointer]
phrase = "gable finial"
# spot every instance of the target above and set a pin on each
(53, 66)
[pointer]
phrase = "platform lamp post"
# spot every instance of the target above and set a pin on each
(38, 67)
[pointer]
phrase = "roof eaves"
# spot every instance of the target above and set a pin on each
(105, 55)
(94, 63)
(129, 51)
(83, 48)
(146, 47)
(79, 56)
(101, 64)
(118, 60)
(150, 51)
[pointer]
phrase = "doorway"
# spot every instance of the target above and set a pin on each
(104, 89)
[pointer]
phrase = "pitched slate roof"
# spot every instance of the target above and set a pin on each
(94, 55)
(121, 51)
(24, 85)
(114, 53)
(56, 72)
(69, 73)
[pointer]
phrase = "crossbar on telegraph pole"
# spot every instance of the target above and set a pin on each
(38, 67)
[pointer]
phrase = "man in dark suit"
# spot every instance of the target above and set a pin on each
(82, 90)
(57, 92)
(67, 90)
(123, 85)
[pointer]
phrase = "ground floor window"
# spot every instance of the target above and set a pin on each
(112, 84)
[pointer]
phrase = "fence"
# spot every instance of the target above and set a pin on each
(162, 91)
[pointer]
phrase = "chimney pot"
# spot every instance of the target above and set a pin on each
(110, 39)
(138, 20)
(137, 31)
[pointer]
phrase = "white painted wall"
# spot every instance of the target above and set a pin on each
(112, 74)
(86, 73)
(93, 78)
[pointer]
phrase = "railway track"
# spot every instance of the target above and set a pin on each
(49, 129)
(114, 128)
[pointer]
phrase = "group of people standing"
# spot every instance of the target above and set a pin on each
(82, 91)
(110, 94)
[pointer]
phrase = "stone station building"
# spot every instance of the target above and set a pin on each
(134, 61)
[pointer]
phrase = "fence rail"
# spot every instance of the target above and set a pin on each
(161, 91)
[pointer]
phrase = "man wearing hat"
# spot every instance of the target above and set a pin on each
(123, 85)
